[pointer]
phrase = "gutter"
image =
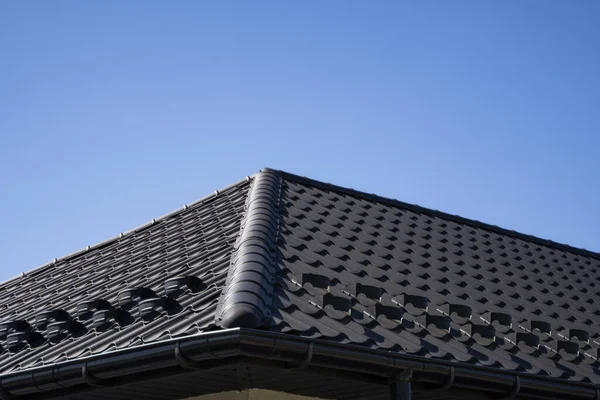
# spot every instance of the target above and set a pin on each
(227, 347)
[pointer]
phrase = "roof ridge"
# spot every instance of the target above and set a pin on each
(246, 297)
(126, 233)
(436, 213)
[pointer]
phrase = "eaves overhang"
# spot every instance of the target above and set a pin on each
(233, 346)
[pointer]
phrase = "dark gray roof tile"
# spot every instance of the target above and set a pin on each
(194, 242)
(305, 258)
(463, 290)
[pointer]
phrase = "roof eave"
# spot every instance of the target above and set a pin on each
(223, 346)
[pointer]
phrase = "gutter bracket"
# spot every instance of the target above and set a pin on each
(307, 360)
(4, 395)
(515, 390)
(91, 379)
(447, 385)
(182, 360)
(450, 380)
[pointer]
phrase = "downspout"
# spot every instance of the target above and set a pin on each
(400, 386)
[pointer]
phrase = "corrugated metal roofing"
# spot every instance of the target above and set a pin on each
(311, 259)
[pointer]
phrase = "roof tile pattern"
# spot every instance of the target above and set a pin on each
(157, 282)
(355, 270)
(246, 298)
(310, 259)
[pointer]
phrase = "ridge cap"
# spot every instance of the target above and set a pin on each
(245, 300)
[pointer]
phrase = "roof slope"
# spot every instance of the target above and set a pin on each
(301, 257)
(356, 268)
(96, 290)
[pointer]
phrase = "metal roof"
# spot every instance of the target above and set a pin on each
(358, 269)
(122, 293)
(316, 261)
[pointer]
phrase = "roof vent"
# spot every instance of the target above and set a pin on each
(86, 309)
(18, 334)
(176, 286)
(17, 340)
(58, 330)
(105, 318)
(44, 318)
(102, 319)
(12, 326)
(153, 307)
(128, 298)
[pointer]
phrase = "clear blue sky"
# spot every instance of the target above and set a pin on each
(113, 113)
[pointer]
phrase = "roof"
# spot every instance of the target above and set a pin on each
(299, 257)
(96, 288)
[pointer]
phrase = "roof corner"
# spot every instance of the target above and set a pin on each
(246, 298)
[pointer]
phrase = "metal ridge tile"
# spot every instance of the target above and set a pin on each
(245, 300)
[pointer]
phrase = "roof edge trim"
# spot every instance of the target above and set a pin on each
(439, 214)
(246, 298)
(106, 242)
(129, 365)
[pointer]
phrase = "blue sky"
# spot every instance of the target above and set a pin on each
(114, 113)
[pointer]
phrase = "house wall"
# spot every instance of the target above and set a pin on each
(258, 394)
(451, 394)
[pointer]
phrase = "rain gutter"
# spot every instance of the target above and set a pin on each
(224, 347)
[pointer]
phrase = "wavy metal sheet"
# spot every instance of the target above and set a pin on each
(350, 268)
(196, 241)
(354, 269)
